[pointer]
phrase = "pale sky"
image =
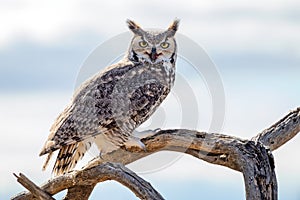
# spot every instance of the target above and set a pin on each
(230, 25)
(255, 47)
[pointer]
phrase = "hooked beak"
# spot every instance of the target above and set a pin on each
(153, 55)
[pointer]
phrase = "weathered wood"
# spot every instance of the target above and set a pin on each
(252, 157)
(33, 188)
(280, 132)
(79, 192)
(258, 170)
(81, 183)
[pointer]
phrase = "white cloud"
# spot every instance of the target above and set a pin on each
(224, 25)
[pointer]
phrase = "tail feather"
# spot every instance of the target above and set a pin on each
(47, 161)
(68, 157)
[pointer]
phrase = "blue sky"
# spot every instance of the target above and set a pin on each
(255, 47)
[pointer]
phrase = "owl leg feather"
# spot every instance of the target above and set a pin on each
(104, 144)
(47, 161)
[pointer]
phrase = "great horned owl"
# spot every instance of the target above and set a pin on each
(109, 106)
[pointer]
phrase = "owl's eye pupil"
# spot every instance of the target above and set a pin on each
(143, 43)
(164, 45)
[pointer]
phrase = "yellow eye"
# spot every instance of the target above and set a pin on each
(164, 45)
(143, 43)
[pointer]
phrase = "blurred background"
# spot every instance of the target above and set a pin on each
(255, 47)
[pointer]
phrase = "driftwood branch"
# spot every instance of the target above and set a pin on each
(251, 157)
(81, 183)
(35, 190)
(280, 132)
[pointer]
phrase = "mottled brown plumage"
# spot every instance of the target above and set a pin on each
(108, 107)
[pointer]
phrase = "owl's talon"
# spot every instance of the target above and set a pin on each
(146, 133)
(156, 130)
(143, 146)
(100, 156)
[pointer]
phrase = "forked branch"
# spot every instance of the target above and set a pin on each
(252, 157)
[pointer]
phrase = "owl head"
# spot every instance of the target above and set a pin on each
(152, 46)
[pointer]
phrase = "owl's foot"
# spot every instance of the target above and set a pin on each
(146, 133)
(135, 142)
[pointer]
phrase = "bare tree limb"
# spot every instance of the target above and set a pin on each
(258, 170)
(280, 132)
(33, 188)
(211, 147)
(251, 157)
(77, 181)
(79, 192)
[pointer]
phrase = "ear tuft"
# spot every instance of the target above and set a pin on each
(174, 25)
(173, 28)
(134, 27)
